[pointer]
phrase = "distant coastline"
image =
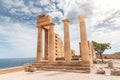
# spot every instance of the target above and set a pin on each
(14, 62)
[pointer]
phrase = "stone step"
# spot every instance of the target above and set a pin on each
(79, 71)
(72, 66)
(66, 67)
(63, 64)
(65, 70)
(38, 65)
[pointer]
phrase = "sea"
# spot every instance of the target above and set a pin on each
(14, 62)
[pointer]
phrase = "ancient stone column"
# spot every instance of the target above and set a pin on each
(67, 49)
(90, 53)
(46, 45)
(39, 45)
(51, 54)
(84, 41)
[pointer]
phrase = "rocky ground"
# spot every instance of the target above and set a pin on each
(59, 75)
(110, 56)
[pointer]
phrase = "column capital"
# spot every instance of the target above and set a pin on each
(81, 18)
(65, 20)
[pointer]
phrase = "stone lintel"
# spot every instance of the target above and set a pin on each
(44, 21)
(65, 20)
(45, 26)
(81, 18)
(47, 23)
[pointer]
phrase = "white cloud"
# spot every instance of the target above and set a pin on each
(74, 8)
(18, 7)
(50, 8)
(35, 10)
(56, 14)
(5, 18)
(106, 5)
(44, 2)
(103, 35)
(25, 10)
(21, 37)
(61, 4)
(98, 13)
(13, 3)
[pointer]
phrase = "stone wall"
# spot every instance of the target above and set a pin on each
(13, 69)
(59, 47)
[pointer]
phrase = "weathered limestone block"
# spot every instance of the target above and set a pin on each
(32, 69)
(43, 20)
(115, 72)
(100, 71)
(29, 68)
(26, 66)
(110, 64)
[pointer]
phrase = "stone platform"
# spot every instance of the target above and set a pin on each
(73, 66)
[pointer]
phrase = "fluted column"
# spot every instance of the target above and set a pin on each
(84, 42)
(39, 45)
(67, 49)
(46, 45)
(51, 54)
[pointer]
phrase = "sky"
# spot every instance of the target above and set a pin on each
(18, 31)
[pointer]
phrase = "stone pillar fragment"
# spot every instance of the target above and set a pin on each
(51, 54)
(39, 45)
(84, 41)
(67, 40)
(46, 44)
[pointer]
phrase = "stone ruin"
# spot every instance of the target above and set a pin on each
(54, 47)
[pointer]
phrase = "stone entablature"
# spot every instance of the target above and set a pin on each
(44, 21)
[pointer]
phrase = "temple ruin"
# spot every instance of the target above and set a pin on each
(57, 55)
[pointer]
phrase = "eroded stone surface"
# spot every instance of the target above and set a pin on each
(115, 71)
(110, 64)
